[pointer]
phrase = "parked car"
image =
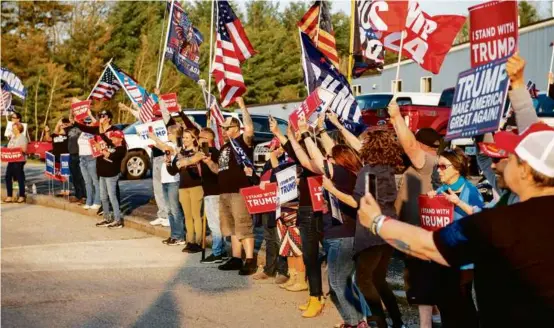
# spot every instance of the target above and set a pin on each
(136, 164)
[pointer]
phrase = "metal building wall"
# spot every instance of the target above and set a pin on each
(534, 44)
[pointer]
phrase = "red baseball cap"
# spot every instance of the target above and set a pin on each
(535, 146)
(490, 149)
(274, 144)
(117, 134)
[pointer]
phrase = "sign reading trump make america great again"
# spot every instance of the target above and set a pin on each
(479, 100)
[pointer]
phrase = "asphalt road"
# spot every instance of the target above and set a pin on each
(58, 270)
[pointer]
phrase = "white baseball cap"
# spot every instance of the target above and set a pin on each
(535, 146)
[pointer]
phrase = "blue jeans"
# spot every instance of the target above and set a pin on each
(108, 195)
(340, 267)
(211, 206)
(157, 163)
(88, 170)
(175, 212)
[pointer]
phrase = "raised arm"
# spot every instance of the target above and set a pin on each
(192, 160)
(520, 98)
(133, 112)
(345, 198)
(186, 120)
(300, 154)
(406, 137)
(160, 144)
(247, 122)
(47, 136)
(351, 139)
(326, 140)
(315, 153)
(274, 128)
(274, 160)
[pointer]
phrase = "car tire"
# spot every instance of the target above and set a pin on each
(135, 165)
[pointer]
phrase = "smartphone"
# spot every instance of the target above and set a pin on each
(371, 185)
(205, 148)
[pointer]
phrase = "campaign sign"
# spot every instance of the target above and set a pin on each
(97, 145)
(435, 213)
(286, 181)
(260, 200)
(50, 164)
(317, 101)
(11, 155)
(64, 161)
(158, 127)
(170, 100)
(479, 100)
(493, 31)
(8, 131)
(316, 193)
(80, 110)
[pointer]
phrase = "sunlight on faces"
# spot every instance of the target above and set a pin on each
(448, 174)
(231, 132)
(498, 169)
(188, 139)
(205, 137)
(515, 174)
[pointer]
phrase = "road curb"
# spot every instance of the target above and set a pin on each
(130, 221)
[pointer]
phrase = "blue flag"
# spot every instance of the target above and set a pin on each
(320, 72)
(240, 155)
(183, 43)
(13, 83)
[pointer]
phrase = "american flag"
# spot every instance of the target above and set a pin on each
(227, 17)
(5, 100)
(107, 86)
(216, 119)
(226, 66)
(133, 89)
(319, 28)
(148, 107)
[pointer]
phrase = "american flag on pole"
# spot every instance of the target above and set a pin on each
(107, 86)
(232, 47)
(5, 99)
(148, 107)
(216, 119)
(316, 22)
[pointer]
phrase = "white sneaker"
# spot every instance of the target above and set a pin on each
(158, 221)
(95, 206)
(86, 207)
(436, 318)
(165, 223)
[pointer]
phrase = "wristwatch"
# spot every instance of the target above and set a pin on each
(377, 223)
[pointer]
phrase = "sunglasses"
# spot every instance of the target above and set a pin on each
(227, 128)
(443, 167)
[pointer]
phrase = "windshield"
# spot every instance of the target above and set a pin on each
(373, 101)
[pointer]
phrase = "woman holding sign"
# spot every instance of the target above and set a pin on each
(15, 169)
(457, 305)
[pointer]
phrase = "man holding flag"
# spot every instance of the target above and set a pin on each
(234, 168)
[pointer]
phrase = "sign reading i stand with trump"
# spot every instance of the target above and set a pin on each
(479, 100)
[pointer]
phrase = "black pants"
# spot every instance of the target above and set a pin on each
(310, 225)
(455, 299)
(15, 170)
(371, 272)
(274, 263)
(77, 177)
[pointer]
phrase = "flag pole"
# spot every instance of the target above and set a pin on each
(162, 50)
(211, 49)
(303, 62)
(318, 24)
(551, 63)
(399, 59)
(123, 85)
(159, 79)
(100, 78)
(351, 51)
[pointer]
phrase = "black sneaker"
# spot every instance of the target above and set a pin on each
(104, 223)
(166, 241)
(116, 225)
(225, 256)
(248, 268)
(175, 242)
(100, 211)
(233, 264)
(192, 248)
(212, 259)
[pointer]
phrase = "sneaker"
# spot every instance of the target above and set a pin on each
(166, 241)
(175, 242)
(95, 207)
(86, 207)
(116, 225)
(260, 274)
(234, 263)
(73, 199)
(436, 318)
(212, 259)
(165, 223)
(158, 221)
(192, 248)
(100, 211)
(225, 256)
(249, 268)
(104, 223)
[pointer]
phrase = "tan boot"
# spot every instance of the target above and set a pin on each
(300, 283)
(304, 306)
(315, 307)
(292, 279)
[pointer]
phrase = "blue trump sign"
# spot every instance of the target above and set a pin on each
(50, 163)
(479, 99)
(64, 167)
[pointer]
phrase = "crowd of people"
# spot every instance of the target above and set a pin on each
(502, 249)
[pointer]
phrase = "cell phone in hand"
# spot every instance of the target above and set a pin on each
(205, 148)
(371, 185)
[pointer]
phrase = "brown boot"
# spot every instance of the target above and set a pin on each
(292, 279)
